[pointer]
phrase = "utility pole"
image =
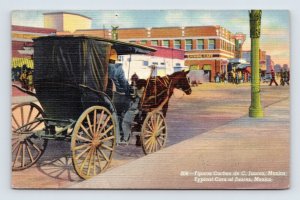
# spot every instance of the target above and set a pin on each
(255, 109)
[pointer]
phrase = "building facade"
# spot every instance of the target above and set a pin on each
(165, 60)
(262, 59)
(206, 48)
(22, 43)
(66, 22)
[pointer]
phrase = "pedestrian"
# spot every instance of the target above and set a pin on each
(281, 77)
(30, 80)
(23, 80)
(286, 77)
(273, 78)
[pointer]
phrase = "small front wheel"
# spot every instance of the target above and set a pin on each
(154, 132)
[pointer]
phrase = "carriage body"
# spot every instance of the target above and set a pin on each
(76, 103)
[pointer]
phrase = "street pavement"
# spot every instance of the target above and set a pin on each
(208, 130)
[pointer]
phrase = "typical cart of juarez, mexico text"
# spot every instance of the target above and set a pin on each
(76, 103)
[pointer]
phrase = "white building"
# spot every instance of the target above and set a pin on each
(166, 61)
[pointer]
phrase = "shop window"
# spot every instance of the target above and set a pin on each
(154, 42)
(143, 42)
(145, 63)
(200, 44)
(166, 43)
(212, 44)
(177, 44)
(188, 45)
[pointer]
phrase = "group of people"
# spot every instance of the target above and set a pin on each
(284, 77)
(26, 80)
(24, 75)
(234, 77)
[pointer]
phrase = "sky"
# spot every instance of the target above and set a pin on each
(275, 34)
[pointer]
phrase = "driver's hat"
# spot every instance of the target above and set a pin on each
(113, 55)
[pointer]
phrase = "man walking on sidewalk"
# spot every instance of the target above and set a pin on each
(273, 78)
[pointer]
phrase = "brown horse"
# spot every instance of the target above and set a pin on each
(160, 89)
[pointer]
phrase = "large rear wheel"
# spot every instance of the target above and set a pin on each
(93, 141)
(27, 147)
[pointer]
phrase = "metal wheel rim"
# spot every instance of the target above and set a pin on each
(93, 146)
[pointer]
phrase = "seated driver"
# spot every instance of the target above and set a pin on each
(116, 73)
(121, 97)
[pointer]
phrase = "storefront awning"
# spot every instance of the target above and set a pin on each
(19, 62)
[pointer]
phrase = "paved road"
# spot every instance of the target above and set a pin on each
(210, 106)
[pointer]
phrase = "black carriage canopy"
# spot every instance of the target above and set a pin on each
(75, 60)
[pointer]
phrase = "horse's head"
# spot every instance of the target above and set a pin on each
(180, 81)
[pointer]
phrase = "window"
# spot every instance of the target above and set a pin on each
(155, 63)
(188, 45)
(177, 44)
(162, 63)
(200, 44)
(177, 64)
(143, 42)
(211, 44)
(166, 43)
(145, 63)
(154, 42)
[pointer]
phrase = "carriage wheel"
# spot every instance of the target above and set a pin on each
(154, 132)
(93, 141)
(27, 148)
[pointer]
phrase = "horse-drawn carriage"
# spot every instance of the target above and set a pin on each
(76, 103)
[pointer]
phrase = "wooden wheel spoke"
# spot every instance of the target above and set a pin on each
(81, 146)
(160, 129)
(84, 161)
(37, 148)
(99, 121)
(159, 142)
(108, 138)
(104, 155)
(23, 155)
(107, 147)
(105, 123)
(106, 131)
(90, 161)
(149, 125)
(29, 153)
(99, 160)
(18, 153)
(15, 120)
(83, 138)
(30, 129)
(149, 143)
(86, 131)
(83, 152)
(29, 115)
(13, 127)
(17, 144)
(95, 121)
(89, 123)
(94, 162)
(22, 115)
(160, 123)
